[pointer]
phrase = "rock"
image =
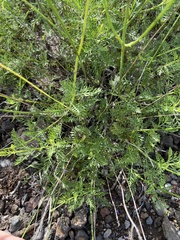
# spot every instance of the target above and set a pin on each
(167, 185)
(104, 211)
(2, 206)
(173, 182)
(80, 219)
(169, 230)
(107, 233)
(177, 216)
(109, 219)
(81, 235)
(7, 126)
(55, 215)
(31, 204)
(71, 235)
(5, 163)
(173, 177)
(147, 205)
(157, 222)
(149, 220)
(144, 215)
(14, 209)
(160, 208)
(16, 224)
(99, 237)
(127, 224)
(167, 141)
(62, 228)
(176, 139)
(24, 198)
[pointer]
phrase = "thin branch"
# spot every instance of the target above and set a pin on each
(115, 210)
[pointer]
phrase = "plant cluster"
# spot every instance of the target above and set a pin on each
(119, 90)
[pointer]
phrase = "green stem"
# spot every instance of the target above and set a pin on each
(34, 86)
(110, 23)
(168, 33)
(123, 41)
(80, 49)
(151, 25)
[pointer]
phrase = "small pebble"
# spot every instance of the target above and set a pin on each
(81, 235)
(108, 219)
(5, 163)
(157, 222)
(80, 219)
(104, 211)
(2, 206)
(177, 216)
(99, 237)
(173, 182)
(71, 234)
(144, 215)
(149, 221)
(167, 185)
(173, 177)
(160, 208)
(148, 205)
(107, 233)
(127, 224)
(14, 209)
(15, 224)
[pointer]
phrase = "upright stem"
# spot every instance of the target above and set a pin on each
(123, 43)
(80, 48)
(162, 13)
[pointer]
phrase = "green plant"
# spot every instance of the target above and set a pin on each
(121, 90)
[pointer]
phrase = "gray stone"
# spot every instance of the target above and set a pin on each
(144, 215)
(169, 230)
(173, 177)
(104, 211)
(5, 163)
(127, 224)
(79, 220)
(167, 185)
(108, 219)
(157, 222)
(167, 141)
(14, 209)
(62, 228)
(149, 220)
(174, 182)
(160, 208)
(107, 233)
(2, 206)
(177, 216)
(16, 224)
(31, 204)
(99, 237)
(7, 126)
(71, 235)
(81, 235)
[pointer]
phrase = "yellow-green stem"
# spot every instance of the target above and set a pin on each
(80, 49)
